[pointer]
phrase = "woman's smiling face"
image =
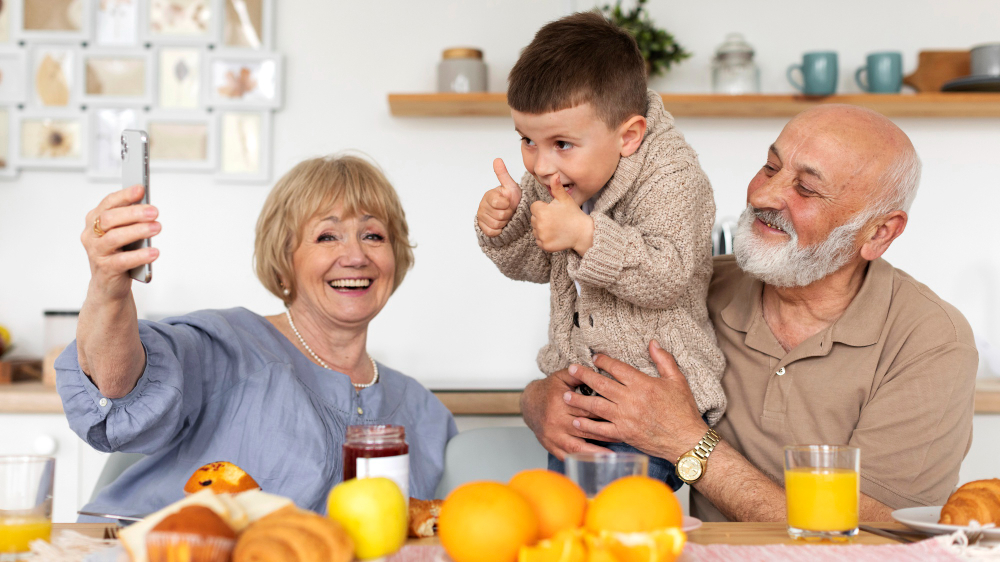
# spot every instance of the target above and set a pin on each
(344, 268)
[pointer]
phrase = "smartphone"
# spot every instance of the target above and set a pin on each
(135, 170)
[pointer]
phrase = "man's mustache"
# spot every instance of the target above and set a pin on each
(774, 218)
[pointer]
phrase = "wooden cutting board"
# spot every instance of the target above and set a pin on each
(935, 68)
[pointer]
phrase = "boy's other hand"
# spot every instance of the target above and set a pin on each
(561, 224)
(499, 203)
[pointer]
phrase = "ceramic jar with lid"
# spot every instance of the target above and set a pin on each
(733, 69)
(462, 70)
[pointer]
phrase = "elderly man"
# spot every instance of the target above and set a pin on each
(825, 342)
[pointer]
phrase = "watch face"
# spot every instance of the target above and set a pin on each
(689, 468)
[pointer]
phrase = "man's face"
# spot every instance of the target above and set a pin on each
(802, 219)
(573, 143)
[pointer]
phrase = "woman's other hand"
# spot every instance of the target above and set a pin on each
(117, 222)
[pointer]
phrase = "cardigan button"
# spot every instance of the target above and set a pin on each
(591, 320)
(576, 319)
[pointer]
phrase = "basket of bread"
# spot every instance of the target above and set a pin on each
(225, 516)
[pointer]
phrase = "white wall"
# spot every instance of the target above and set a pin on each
(456, 322)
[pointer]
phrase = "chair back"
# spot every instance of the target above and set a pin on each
(490, 453)
(113, 467)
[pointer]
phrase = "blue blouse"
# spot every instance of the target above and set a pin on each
(225, 385)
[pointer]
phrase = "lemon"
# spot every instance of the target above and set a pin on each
(4, 339)
(373, 512)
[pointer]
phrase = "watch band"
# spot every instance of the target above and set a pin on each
(707, 444)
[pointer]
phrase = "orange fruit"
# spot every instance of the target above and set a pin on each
(661, 545)
(558, 502)
(634, 504)
(486, 522)
(565, 546)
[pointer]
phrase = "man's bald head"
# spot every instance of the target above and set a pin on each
(886, 146)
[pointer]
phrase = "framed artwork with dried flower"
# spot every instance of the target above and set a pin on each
(180, 76)
(116, 77)
(52, 140)
(52, 20)
(116, 22)
(247, 24)
(53, 73)
(106, 126)
(183, 21)
(181, 141)
(244, 146)
(13, 76)
(8, 136)
(243, 80)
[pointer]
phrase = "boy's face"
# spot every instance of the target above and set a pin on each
(574, 143)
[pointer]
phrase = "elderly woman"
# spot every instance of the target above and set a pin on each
(271, 394)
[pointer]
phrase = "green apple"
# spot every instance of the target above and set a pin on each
(374, 513)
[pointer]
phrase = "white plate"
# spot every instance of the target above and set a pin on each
(690, 523)
(926, 519)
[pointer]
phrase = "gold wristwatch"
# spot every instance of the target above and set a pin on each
(692, 464)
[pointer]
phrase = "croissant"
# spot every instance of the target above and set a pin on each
(293, 535)
(424, 517)
(978, 501)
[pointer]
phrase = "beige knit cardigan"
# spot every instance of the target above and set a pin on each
(646, 275)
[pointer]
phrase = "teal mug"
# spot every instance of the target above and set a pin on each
(884, 73)
(819, 74)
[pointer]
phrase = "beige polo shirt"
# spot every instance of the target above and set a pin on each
(894, 376)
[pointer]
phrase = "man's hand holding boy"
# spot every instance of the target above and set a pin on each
(499, 203)
(561, 224)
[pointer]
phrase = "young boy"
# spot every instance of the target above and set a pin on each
(614, 212)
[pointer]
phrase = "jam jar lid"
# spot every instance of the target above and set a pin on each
(734, 46)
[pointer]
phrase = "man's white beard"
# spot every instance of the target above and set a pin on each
(788, 265)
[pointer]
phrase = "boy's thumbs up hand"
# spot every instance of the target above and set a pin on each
(561, 224)
(498, 204)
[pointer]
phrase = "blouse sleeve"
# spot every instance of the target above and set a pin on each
(186, 363)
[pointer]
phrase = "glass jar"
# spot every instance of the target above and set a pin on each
(378, 450)
(733, 69)
(462, 70)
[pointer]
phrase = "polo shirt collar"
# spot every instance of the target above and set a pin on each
(861, 324)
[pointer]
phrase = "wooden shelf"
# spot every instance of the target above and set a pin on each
(712, 105)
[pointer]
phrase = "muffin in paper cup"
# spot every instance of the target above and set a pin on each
(193, 534)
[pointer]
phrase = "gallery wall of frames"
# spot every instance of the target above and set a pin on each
(200, 76)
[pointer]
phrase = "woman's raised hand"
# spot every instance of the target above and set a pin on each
(115, 223)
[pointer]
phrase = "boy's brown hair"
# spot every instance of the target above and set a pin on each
(579, 59)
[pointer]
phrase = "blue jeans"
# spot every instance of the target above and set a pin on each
(660, 469)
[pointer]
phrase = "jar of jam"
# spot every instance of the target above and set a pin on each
(378, 450)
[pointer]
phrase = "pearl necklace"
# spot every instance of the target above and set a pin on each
(322, 363)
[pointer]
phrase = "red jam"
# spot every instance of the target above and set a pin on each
(372, 441)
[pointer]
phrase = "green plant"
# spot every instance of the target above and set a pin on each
(657, 46)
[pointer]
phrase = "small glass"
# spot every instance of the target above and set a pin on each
(25, 503)
(822, 487)
(593, 471)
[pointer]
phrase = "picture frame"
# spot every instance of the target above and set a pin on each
(53, 21)
(104, 139)
(246, 24)
(53, 76)
(182, 22)
(13, 76)
(244, 146)
(6, 22)
(51, 140)
(182, 141)
(238, 79)
(9, 121)
(118, 23)
(180, 77)
(116, 77)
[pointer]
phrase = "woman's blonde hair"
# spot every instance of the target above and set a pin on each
(310, 188)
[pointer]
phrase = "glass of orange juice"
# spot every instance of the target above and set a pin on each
(25, 503)
(822, 487)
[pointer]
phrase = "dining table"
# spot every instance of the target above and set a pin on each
(711, 542)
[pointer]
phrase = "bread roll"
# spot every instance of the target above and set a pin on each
(977, 501)
(293, 535)
(222, 478)
(424, 517)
